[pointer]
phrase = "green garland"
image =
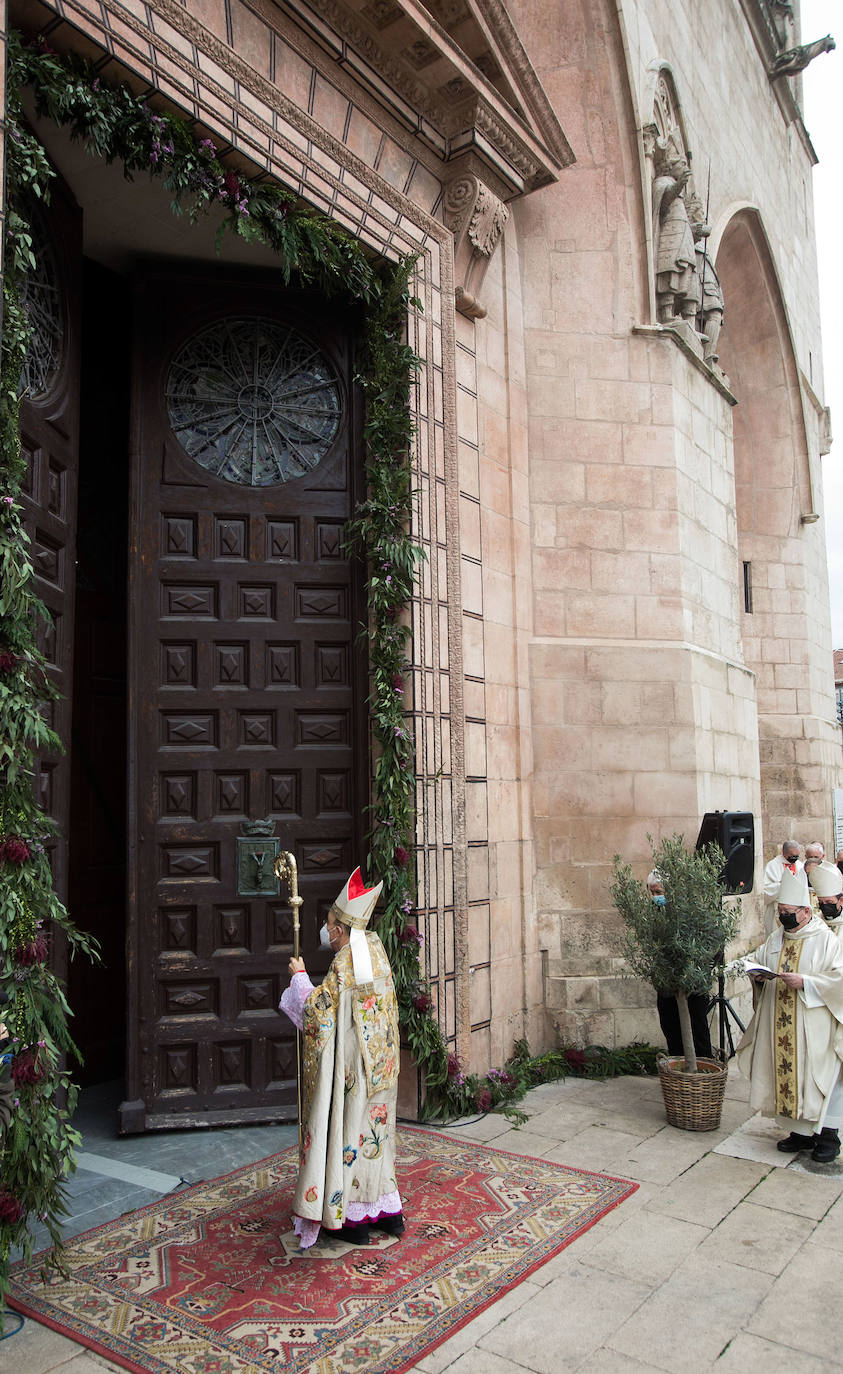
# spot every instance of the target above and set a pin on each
(113, 123)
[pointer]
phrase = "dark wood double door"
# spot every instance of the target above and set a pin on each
(245, 684)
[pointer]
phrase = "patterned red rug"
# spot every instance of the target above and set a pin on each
(211, 1281)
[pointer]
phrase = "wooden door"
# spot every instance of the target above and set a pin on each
(246, 689)
(50, 438)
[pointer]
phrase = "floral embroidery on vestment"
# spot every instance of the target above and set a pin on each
(785, 1056)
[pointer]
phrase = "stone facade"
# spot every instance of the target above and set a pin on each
(596, 497)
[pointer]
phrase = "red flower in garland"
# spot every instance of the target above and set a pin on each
(401, 857)
(398, 682)
(29, 1067)
(35, 952)
(409, 935)
(422, 1002)
(231, 181)
(8, 661)
(11, 1208)
(484, 1100)
(575, 1058)
(453, 1065)
(14, 850)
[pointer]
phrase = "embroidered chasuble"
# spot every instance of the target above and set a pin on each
(786, 1057)
(350, 1057)
(793, 1046)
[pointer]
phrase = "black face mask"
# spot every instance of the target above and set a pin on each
(830, 911)
(789, 920)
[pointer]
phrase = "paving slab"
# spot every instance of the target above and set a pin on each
(37, 1349)
(466, 1339)
(701, 1307)
(477, 1362)
(806, 1195)
(803, 1309)
(708, 1190)
(570, 1319)
(830, 1230)
(758, 1237)
(578, 1251)
(753, 1355)
(598, 1148)
(646, 1247)
(560, 1121)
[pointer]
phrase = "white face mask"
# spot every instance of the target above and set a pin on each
(325, 937)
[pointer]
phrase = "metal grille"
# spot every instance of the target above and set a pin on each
(41, 300)
(253, 402)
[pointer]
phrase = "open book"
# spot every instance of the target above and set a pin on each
(759, 970)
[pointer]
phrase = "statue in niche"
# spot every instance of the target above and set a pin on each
(677, 290)
(708, 291)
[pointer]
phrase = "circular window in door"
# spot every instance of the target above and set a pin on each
(253, 401)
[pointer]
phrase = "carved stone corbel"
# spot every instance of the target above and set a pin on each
(476, 218)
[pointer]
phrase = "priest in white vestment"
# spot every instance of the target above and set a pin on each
(787, 861)
(827, 883)
(793, 1047)
(349, 1079)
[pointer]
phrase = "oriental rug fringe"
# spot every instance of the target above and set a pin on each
(211, 1281)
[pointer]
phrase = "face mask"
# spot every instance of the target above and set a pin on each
(789, 920)
(829, 911)
(660, 900)
(325, 937)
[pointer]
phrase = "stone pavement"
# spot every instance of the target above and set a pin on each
(728, 1256)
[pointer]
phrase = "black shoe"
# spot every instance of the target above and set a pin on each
(392, 1225)
(353, 1235)
(796, 1142)
(827, 1147)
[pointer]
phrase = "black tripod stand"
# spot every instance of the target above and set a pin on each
(726, 1014)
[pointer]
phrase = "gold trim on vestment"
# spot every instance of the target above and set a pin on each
(354, 922)
(785, 1053)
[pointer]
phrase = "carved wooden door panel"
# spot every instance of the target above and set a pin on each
(50, 443)
(246, 694)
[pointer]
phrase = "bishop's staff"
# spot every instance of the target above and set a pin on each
(286, 870)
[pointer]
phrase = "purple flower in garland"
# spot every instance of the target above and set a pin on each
(8, 500)
(407, 906)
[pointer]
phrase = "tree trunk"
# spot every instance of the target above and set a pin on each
(688, 1046)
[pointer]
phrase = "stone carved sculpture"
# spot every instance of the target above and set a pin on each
(795, 60)
(675, 252)
(476, 218)
(688, 291)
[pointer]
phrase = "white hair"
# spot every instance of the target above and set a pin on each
(654, 877)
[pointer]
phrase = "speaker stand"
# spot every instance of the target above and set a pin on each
(726, 1015)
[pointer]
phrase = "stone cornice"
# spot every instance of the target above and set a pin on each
(447, 101)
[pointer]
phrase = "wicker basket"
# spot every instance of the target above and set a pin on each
(693, 1101)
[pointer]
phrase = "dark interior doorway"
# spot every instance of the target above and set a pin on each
(97, 870)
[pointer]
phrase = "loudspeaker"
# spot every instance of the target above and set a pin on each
(734, 831)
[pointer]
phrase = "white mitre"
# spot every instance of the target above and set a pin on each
(794, 889)
(826, 880)
(353, 908)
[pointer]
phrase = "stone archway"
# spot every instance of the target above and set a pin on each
(785, 613)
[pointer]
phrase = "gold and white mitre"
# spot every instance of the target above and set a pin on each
(826, 880)
(794, 889)
(353, 908)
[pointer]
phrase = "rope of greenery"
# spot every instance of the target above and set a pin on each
(116, 124)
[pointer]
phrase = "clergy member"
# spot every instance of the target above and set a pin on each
(827, 882)
(349, 1079)
(788, 860)
(793, 1046)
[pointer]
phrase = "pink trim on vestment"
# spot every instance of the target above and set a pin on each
(387, 1205)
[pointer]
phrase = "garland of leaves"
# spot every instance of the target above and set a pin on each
(116, 124)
